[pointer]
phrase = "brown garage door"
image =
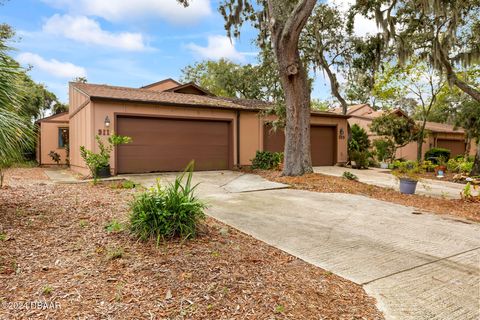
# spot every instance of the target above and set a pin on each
(322, 139)
(160, 144)
(456, 147)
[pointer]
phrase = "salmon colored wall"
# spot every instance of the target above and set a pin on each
(409, 152)
(169, 84)
(49, 140)
(100, 110)
(75, 99)
(80, 135)
(251, 136)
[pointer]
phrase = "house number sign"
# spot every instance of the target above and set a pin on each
(103, 132)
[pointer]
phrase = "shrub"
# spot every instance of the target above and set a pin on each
(385, 149)
(267, 160)
(167, 212)
(452, 165)
(349, 176)
(360, 158)
(459, 165)
(55, 156)
(410, 170)
(428, 166)
(358, 139)
(435, 154)
(95, 161)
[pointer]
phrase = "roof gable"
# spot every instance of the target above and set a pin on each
(162, 85)
(190, 88)
(59, 117)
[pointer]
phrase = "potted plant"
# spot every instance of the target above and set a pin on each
(99, 163)
(441, 167)
(408, 173)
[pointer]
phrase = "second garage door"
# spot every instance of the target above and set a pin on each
(161, 144)
(322, 139)
(456, 147)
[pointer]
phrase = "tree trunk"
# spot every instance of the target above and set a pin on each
(468, 146)
(285, 34)
(420, 140)
(476, 165)
(297, 127)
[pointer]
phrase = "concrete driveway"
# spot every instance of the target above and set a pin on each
(416, 266)
(383, 178)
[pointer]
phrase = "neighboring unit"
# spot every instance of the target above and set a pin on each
(171, 124)
(53, 135)
(440, 135)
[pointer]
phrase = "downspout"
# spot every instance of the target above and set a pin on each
(238, 138)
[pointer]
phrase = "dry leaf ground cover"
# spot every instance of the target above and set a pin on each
(323, 183)
(54, 248)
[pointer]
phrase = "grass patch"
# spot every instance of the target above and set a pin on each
(115, 253)
(125, 184)
(47, 290)
(114, 226)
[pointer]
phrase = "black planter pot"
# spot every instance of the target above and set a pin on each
(103, 172)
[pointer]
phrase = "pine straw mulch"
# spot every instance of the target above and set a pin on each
(55, 248)
(323, 183)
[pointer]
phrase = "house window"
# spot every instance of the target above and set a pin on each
(62, 137)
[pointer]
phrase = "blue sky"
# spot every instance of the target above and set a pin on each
(122, 42)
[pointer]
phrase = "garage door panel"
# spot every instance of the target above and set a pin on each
(322, 141)
(456, 147)
(160, 144)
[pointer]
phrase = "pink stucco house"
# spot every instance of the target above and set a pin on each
(439, 134)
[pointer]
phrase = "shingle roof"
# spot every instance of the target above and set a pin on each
(442, 128)
(101, 91)
(62, 116)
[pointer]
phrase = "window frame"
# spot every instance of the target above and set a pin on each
(60, 137)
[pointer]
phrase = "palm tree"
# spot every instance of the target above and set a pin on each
(16, 132)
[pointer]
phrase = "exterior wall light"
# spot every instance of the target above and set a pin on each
(107, 122)
(341, 133)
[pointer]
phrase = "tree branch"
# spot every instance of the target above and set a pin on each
(297, 20)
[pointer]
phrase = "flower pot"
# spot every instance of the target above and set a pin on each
(103, 172)
(408, 186)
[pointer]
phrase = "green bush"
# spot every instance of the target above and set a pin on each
(267, 160)
(384, 148)
(95, 161)
(361, 158)
(410, 170)
(459, 165)
(358, 140)
(437, 154)
(428, 166)
(167, 212)
(349, 176)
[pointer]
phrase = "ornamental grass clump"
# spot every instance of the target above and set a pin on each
(168, 212)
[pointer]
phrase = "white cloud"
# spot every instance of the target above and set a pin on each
(118, 10)
(54, 67)
(362, 25)
(86, 30)
(218, 47)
